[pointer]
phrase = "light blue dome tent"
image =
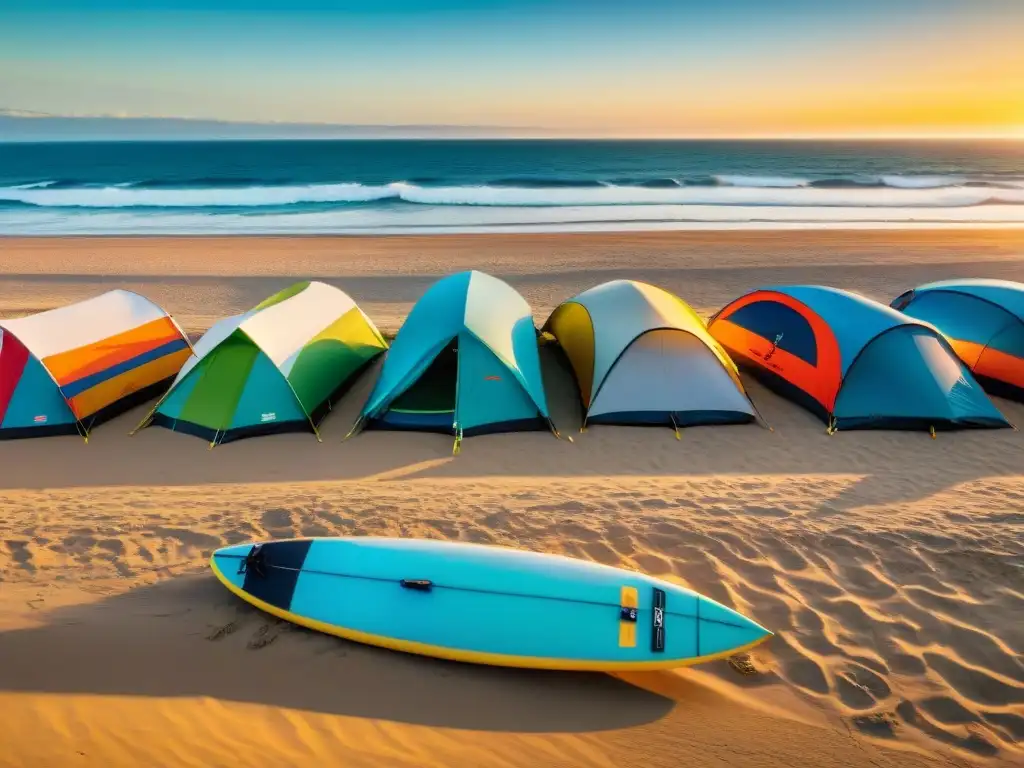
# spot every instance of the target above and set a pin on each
(465, 362)
(983, 321)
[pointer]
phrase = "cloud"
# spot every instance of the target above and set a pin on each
(23, 113)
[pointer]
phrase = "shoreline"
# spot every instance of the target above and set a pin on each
(571, 228)
(711, 228)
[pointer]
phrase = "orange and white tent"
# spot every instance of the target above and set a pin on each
(67, 369)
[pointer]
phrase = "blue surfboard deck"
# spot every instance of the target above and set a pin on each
(484, 604)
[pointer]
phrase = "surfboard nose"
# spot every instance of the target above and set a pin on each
(723, 631)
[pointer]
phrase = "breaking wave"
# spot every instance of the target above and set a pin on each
(888, 191)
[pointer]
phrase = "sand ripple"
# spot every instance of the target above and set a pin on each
(904, 620)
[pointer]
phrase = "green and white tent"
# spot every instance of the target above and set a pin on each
(276, 368)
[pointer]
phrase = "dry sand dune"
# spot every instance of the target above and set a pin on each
(889, 565)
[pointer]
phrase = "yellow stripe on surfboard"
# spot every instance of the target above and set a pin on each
(629, 598)
(471, 657)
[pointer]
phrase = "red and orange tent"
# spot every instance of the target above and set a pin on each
(853, 361)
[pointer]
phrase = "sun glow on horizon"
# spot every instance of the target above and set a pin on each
(655, 68)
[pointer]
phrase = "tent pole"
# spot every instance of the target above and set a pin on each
(554, 430)
(355, 429)
(762, 419)
(145, 422)
(82, 430)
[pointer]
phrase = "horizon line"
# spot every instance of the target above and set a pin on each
(530, 137)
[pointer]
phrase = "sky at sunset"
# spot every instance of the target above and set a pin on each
(720, 68)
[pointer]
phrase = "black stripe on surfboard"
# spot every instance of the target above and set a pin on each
(477, 590)
(279, 590)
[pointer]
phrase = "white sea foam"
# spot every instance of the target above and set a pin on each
(35, 185)
(429, 219)
(760, 181)
(119, 196)
(915, 194)
(880, 197)
(921, 182)
(749, 202)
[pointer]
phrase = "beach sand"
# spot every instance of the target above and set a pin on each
(888, 564)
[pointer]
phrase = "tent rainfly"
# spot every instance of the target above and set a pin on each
(465, 362)
(276, 368)
(642, 356)
(983, 321)
(856, 363)
(68, 369)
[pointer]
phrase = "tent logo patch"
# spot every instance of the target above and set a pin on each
(40, 419)
(265, 417)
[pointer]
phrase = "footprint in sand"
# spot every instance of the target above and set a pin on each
(278, 523)
(265, 635)
(877, 724)
(21, 554)
(312, 530)
(114, 546)
(860, 688)
(223, 631)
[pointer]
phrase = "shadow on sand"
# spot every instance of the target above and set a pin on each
(797, 446)
(189, 637)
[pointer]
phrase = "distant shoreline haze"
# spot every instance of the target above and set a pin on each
(20, 126)
(26, 126)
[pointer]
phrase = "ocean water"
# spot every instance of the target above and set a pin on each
(364, 186)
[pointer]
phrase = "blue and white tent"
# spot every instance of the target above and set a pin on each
(465, 362)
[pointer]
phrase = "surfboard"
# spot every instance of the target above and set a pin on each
(484, 604)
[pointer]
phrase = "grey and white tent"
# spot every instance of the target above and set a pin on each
(642, 356)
